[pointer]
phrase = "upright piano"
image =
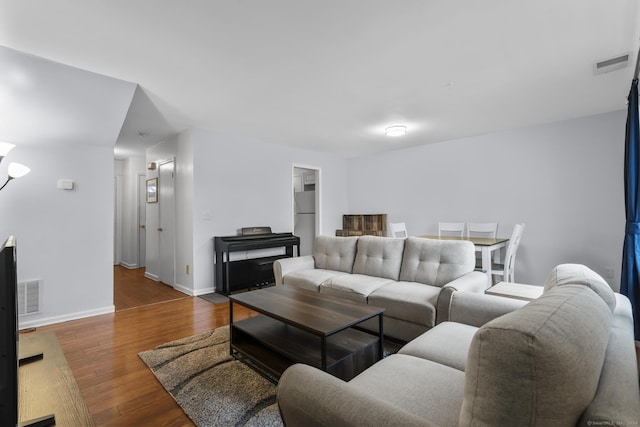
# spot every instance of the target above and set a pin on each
(248, 273)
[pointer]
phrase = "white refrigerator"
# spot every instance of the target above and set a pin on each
(305, 220)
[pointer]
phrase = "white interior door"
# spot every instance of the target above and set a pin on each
(166, 224)
(117, 221)
(142, 220)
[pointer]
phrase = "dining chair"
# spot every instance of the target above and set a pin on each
(398, 229)
(482, 229)
(507, 270)
(454, 228)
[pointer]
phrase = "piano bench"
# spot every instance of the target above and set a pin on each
(263, 269)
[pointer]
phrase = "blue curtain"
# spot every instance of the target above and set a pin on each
(630, 280)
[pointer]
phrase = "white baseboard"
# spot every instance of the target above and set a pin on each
(25, 323)
(151, 276)
(205, 291)
(183, 289)
(129, 266)
(191, 292)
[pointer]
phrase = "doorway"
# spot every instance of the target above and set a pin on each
(306, 206)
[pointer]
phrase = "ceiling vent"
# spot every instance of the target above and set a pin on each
(611, 64)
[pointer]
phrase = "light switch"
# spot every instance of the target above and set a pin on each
(65, 184)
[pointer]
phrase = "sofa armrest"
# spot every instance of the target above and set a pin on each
(477, 309)
(284, 266)
(310, 397)
(617, 400)
(475, 282)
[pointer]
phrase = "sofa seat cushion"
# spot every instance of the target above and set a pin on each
(539, 365)
(410, 301)
(355, 287)
(309, 279)
(422, 387)
(448, 343)
(379, 257)
(436, 262)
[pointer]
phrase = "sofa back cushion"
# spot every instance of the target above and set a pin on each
(379, 257)
(335, 253)
(539, 365)
(578, 274)
(436, 262)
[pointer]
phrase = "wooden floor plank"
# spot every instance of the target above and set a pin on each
(102, 351)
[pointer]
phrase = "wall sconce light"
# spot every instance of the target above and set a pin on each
(16, 170)
(5, 147)
(151, 166)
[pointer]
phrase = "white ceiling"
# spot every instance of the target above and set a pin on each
(331, 75)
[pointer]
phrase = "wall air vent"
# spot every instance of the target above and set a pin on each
(29, 297)
(611, 64)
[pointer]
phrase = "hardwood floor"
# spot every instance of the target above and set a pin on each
(131, 289)
(102, 351)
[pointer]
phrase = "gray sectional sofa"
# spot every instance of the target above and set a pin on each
(565, 359)
(410, 278)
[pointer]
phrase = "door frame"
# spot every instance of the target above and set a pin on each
(141, 193)
(318, 172)
(161, 221)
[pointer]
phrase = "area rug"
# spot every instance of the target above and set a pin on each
(210, 386)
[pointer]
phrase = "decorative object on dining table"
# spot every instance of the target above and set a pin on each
(363, 225)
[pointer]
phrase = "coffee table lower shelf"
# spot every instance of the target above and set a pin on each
(273, 346)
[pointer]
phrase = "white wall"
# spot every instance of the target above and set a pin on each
(184, 237)
(64, 238)
(127, 171)
(241, 183)
(564, 180)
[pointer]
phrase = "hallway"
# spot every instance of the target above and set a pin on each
(131, 289)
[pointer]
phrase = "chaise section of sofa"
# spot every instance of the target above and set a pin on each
(409, 277)
(561, 360)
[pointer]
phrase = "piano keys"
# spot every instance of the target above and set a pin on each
(232, 276)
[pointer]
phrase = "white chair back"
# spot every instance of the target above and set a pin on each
(398, 229)
(512, 250)
(482, 229)
(452, 228)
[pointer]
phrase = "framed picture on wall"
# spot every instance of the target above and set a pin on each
(152, 190)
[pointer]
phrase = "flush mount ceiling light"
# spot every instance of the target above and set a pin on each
(397, 130)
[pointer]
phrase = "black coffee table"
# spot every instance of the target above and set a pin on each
(300, 326)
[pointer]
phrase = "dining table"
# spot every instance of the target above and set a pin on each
(488, 247)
